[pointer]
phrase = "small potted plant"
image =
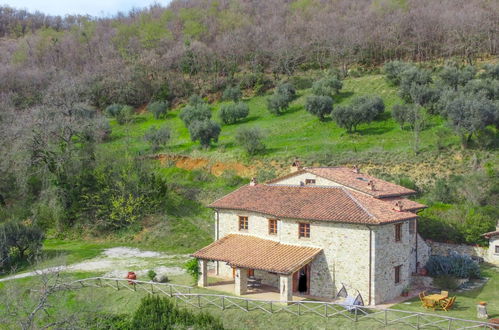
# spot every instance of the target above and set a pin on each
(405, 292)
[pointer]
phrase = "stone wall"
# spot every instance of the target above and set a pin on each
(487, 254)
(389, 254)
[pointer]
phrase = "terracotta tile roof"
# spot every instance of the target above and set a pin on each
(490, 234)
(407, 204)
(358, 181)
(246, 251)
(335, 204)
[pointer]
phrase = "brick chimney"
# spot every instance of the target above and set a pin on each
(399, 206)
(296, 166)
(371, 185)
(253, 182)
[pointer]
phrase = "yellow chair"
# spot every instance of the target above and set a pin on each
(444, 293)
(448, 303)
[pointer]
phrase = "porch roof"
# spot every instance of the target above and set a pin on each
(251, 252)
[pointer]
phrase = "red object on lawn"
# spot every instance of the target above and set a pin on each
(131, 276)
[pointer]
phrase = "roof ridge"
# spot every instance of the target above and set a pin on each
(300, 186)
(356, 201)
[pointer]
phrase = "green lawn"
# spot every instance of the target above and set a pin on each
(295, 133)
(465, 306)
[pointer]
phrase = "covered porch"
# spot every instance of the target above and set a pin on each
(260, 269)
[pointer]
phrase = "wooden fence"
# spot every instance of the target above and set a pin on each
(184, 295)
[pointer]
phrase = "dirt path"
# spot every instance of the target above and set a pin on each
(116, 262)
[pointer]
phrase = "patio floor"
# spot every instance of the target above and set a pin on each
(265, 292)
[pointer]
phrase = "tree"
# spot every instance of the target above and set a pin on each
(363, 109)
(469, 114)
(319, 105)
(158, 109)
(250, 139)
(195, 112)
(231, 113)
(287, 90)
(205, 131)
(232, 93)
(19, 242)
(393, 71)
(195, 100)
(454, 77)
(158, 138)
(113, 109)
(407, 114)
(328, 86)
(410, 77)
(277, 104)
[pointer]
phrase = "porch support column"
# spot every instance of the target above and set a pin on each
(241, 281)
(286, 287)
(203, 273)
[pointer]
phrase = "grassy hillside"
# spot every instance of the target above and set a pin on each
(295, 133)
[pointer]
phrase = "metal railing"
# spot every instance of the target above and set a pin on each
(182, 294)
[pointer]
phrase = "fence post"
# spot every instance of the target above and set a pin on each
(325, 310)
(134, 286)
(247, 305)
(356, 314)
(417, 321)
(271, 310)
(386, 317)
(117, 285)
(171, 291)
(152, 288)
(299, 308)
(223, 303)
(199, 301)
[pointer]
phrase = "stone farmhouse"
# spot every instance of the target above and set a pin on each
(315, 231)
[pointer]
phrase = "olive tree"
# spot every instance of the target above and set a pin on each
(158, 138)
(454, 77)
(393, 71)
(409, 78)
(363, 109)
(204, 131)
(158, 109)
(328, 86)
(319, 105)
(231, 113)
(250, 139)
(232, 93)
(195, 112)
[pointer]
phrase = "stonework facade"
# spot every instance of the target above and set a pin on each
(488, 254)
(345, 259)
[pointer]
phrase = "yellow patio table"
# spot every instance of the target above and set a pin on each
(434, 299)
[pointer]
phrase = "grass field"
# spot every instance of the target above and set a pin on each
(295, 133)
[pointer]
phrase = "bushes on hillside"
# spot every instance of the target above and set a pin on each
(280, 100)
(158, 109)
(232, 93)
(410, 114)
(250, 139)
(122, 113)
(231, 113)
(328, 86)
(161, 313)
(394, 69)
(412, 78)
(204, 131)
(196, 112)
(158, 138)
(460, 266)
(319, 105)
(363, 109)
(454, 77)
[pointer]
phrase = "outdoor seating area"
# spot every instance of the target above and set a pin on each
(437, 301)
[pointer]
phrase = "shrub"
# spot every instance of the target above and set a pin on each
(192, 268)
(113, 110)
(460, 266)
(328, 86)
(393, 71)
(161, 313)
(250, 139)
(453, 77)
(410, 77)
(18, 242)
(301, 82)
(125, 115)
(158, 138)
(287, 90)
(151, 274)
(232, 93)
(195, 100)
(364, 109)
(277, 104)
(319, 105)
(406, 114)
(195, 112)
(230, 113)
(491, 71)
(445, 282)
(158, 109)
(205, 131)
